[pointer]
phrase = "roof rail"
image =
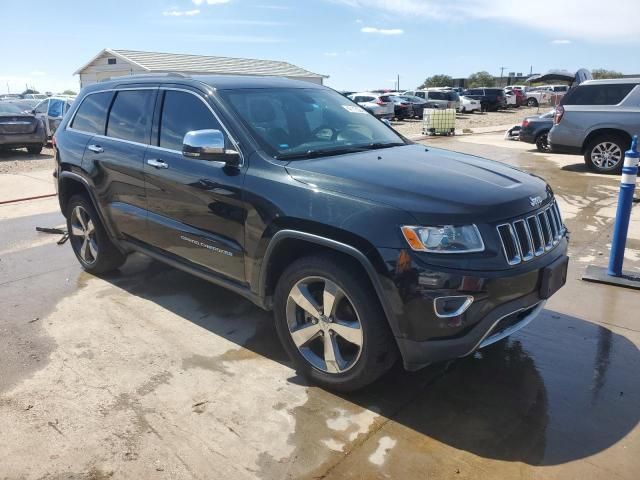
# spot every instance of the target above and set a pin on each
(146, 75)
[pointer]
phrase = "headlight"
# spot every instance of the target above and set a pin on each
(444, 239)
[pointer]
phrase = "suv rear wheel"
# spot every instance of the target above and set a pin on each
(89, 240)
(331, 324)
(605, 153)
(532, 102)
(542, 142)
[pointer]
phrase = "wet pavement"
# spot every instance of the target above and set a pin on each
(152, 373)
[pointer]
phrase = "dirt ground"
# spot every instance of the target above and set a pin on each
(150, 373)
(21, 161)
(464, 121)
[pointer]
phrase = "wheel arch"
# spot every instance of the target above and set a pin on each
(70, 184)
(287, 245)
(601, 131)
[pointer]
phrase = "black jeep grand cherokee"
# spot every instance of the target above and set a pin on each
(366, 245)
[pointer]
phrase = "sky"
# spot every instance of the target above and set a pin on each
(359, 44)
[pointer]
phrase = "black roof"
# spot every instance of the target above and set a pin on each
(218, 82)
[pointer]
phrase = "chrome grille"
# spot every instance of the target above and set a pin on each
(526, 238)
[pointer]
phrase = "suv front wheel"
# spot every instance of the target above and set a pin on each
(331, 324)
(605, 153)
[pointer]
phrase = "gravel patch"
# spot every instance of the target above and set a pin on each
(20, 161)
(472, 120)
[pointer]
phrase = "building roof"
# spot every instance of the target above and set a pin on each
(178, 62)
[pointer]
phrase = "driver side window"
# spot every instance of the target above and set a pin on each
(42, 107)
(183, 112)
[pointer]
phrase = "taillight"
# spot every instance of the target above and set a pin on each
(558, 115)
(380, 102)
(525, 123)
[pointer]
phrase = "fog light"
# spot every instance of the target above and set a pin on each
(451, 306)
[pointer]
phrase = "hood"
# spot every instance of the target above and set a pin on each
(576, 78)
(434, 185)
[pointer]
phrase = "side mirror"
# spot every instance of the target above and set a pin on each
(209, 145)
(33, 111)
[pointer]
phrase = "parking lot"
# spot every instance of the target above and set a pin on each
(152, 373)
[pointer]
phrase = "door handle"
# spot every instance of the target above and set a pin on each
(96, 148)
(154, 162)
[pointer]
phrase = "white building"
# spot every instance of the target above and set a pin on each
(114, 63)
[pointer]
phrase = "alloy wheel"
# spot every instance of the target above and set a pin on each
(324, 325)
(606, 155)
(83, 235)
(543, 143)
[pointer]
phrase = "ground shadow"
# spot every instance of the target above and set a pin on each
(580, 167)
(561, 390)
(22, 154)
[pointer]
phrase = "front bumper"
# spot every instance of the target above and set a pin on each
(503, 302)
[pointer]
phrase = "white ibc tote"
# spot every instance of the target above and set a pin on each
(437, 121)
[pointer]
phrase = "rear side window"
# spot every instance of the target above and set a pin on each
(494, 91)
(92, 114)
(437, 95)
(55, 108)
(385, 98)
(598, 94)
(131, 114)
(474, 91)
(42, 107)
(181, 113)
(420, 95)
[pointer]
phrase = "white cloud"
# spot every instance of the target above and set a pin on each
(382, 31)
(560, 42)
(210, 2)
(180, 13)
(590, 20)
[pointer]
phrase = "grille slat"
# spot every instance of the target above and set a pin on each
(526, 238)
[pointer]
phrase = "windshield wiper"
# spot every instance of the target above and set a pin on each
(337, 151)
(376, 145)
(318, 153)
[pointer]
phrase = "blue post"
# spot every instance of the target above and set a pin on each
(623, 213)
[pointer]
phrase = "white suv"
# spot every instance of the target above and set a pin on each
(380, 106)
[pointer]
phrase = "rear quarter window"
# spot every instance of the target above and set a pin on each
(598, 94)
(437, 96)
(92, 114)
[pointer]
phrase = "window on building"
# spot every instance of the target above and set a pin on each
(111, 61)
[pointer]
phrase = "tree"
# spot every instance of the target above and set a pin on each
(29, 90)
(438, 81)
(481, 79)
(602, 73)
(69, 92)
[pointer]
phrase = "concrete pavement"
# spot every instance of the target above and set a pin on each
(151, 373)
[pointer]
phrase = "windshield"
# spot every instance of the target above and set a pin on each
(7, 108)
(294, 123)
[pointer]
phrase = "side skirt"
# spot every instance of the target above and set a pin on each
(186, 266)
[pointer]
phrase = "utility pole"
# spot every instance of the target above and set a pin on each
(501, 74)
(398, 83)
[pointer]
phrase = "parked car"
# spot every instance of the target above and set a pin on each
(440, 98)
(537, 96)
(418, 104)
(25, 105)
(402, 108)
(597, 119)
(469, 105)
(34, 96)
(517, 94)
(380, 106)
(367, 247)
(10, 96)
(51, 111)
(491, 99)
(20, 130)
(536, 129)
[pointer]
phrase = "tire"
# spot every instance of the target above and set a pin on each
(605, 153)
(463, 110)
(484, 107)
(34, 150)
(532, 102)
(88, 238)
(542, 142)
(371, 350)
